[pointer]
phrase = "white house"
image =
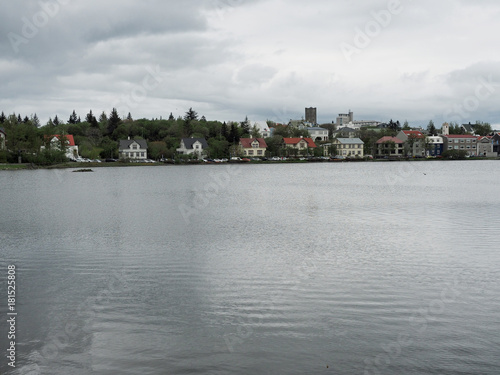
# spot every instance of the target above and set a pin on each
(136, 149)
(54, 142)
(318, 134)
(191, 146)
(349, 147)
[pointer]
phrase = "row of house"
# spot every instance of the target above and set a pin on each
(249, 147)
(405, 143)
(415, 143)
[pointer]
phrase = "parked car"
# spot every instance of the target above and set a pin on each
(235, 158)
(245, 159)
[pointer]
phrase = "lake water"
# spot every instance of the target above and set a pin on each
(334, 268)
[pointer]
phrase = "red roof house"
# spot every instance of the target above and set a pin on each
(253, 146)
(299, 143)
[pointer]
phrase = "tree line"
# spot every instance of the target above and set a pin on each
(98, 136)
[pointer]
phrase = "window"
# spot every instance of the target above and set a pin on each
(250, 152)
(259, 152)
(142, 154)
(468, 140)
(134, 147)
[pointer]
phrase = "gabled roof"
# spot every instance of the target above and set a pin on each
(69, 138)
(469, 127)
(460, 136)
(247, 142)
(413, 133)
(389, 139)
(350, 141)
(124, 144)
(294, 141)
(189, 142)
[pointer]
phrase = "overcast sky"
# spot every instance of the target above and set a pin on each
(268, 60)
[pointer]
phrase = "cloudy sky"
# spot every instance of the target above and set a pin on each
(265, 59)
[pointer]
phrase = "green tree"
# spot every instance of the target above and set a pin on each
(255, 132)
(103, 119)
(113, 122)
(171, 117)
(35, 120)
(56, 121)
(482, 128)
(190, 115)
(73, 118)
(233, 136)
(431, 128)
(224, 132)
(2, 118)
(245, 126)
(274, 145)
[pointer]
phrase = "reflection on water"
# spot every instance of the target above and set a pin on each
(365, 268)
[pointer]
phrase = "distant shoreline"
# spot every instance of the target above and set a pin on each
(28, 166)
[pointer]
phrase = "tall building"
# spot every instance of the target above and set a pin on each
(344, 119)
(445, 130)
(311, 115)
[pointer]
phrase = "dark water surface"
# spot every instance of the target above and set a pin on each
(360, 268)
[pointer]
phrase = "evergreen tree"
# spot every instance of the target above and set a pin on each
(89, 117)
(223, 131)
(50, 123)
(26, 119)
(19, 119)
(129, 117)
(114, 121)
(233, 134)
(79, 120)
(56, 121)
(171, 117)
(203, 119)
(73, 118)
(190, 115)
(2, 118)
(103, 119)
(431, 128)
(245, 125)
(35, 121)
